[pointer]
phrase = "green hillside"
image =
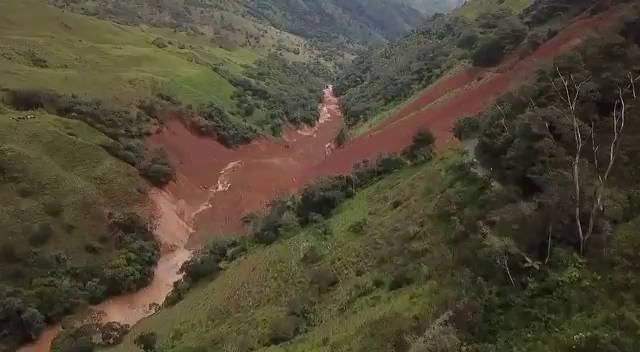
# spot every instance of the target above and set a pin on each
(474, 8)
(327, 23)
(381, 246)
(61, 195)
(473, 250)
(43, 47)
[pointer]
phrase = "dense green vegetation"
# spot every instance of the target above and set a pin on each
(327, 23)
(64, 242)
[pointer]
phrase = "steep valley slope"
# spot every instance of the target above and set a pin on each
(385, 259)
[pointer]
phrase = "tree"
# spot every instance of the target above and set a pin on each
(32, 322)
(466, 128)
(489, 53)
(570, 92)
(158, 169)
(147, 341)
(421, 146)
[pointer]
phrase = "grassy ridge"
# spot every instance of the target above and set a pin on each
(45, 47)
(44, 152)
(474, 8)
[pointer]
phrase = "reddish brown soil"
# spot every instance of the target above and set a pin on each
(219, 186)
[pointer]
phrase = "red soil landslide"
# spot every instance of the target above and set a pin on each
(464, 93)
(216, 186)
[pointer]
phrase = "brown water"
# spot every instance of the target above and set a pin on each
(207, 174)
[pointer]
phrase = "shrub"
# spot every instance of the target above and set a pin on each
(323, 279)
(215, 121)
(342, 136)
(285, 329)
(93, 248)
(279, 216)
(203, 263)
(323, 197)
(466, 128)
(399, 279)
(160, 43)
(489, 53)
(32, 322)
(146, 341)
(112, 333)
(74, 340)
(311, 256)
(8, 253)
(158, 169)
(468, 41)
(53, 208)
(40, 234)
(631, 30)
(359, 227)
(421, 146)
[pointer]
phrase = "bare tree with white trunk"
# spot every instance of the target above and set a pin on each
(570, 92)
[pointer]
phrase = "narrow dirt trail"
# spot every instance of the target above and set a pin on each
(216, 186)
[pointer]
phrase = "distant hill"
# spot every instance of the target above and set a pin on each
(428, 7)
(325, 21)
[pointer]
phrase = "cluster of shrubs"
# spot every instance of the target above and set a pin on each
(57, 287)
(213, 120)
(126, 128)
(205, 263)
(504, 33)
(89, 337)
(292, 94)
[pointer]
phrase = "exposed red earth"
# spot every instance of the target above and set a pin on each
(216, 187)
(465, 93)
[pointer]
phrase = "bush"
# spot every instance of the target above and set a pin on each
(74, 340)
(113, 333)
(468, 41)
(285, 329)
(280, 215)
(489, 53)
(53, 208)
(342, 136)
(146, 341)
(204, 262)
(9, 254)
(421, 147)
(215, 121)
(466, 128)
(40, 234)
(323, 197)
(160, 43)
(323, 279)
(158, 169)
